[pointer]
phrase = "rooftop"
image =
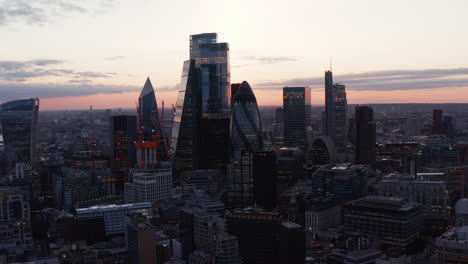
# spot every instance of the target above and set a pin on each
(381, 202)
(113, 207)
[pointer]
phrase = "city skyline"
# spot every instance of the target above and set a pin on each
(417, 58)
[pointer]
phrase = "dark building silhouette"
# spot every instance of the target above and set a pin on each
(321, 152)
(234, 89)
(335, 118)
(352, 131)
(141, 240)
(278, 128)
(290, 167)
(150, 129)
(257, 233)
(373, 215)
(19, 125)
(187, 230)
(449, 128)
(185, 128)
(214, 143)
(292, 243)
(264, 180)
(297, 111)
(124, 136)
(251, 180)
(264, 238)
(339, 120)
(437, 122)
(240, 181)
(365, 135)
(328, 129)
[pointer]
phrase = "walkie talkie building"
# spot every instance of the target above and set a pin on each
(19, 125)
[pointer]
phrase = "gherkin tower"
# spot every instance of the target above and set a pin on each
(246, 128)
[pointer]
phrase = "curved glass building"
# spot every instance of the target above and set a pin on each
(19, 126)
(246, 128)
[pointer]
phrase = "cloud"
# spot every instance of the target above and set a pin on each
(43, 62)
(255, 60)
(384, 80)
(112, 58)
(80, 81)
(20, 71)
(39, 12)
(74, 87)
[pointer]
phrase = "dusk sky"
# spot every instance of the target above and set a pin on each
(72, 54)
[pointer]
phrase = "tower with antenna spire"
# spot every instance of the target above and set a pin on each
(335, 125)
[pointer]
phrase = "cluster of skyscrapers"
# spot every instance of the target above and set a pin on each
(216, 180)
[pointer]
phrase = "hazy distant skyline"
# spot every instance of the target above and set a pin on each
(72, 54)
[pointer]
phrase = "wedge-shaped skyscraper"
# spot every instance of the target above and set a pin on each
(246, 128)
(184, 138)
(150, 129)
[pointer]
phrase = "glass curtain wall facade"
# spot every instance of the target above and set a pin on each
(123, 138)
(213, 60)
(246, 128)
(340, 106)
(184, 138)
(150, 129)
(240, 179)
(328, 126)
(297, 110)
(19, 122)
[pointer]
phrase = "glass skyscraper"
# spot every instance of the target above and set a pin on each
(123, 141)
(297, 111)
(19, 124)
(184, 138)
(150, 129)
(339, 118)
(213, 60)
(336, 114)
(246, 128)
(328, 126)
(200, 133)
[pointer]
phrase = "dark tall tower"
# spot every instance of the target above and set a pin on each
(212, 60)
(185, 128)
(278, 127)
(437, 122)
(150, 129)
(296, 105)
(339, 120)
(234, 89)
(292, 243)
(124, 136)
(214, 143)
(19, 123)
(365, 135)
(328, 129)
(240, 181)
(246, 127)
(264, 179)
(141, 240)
